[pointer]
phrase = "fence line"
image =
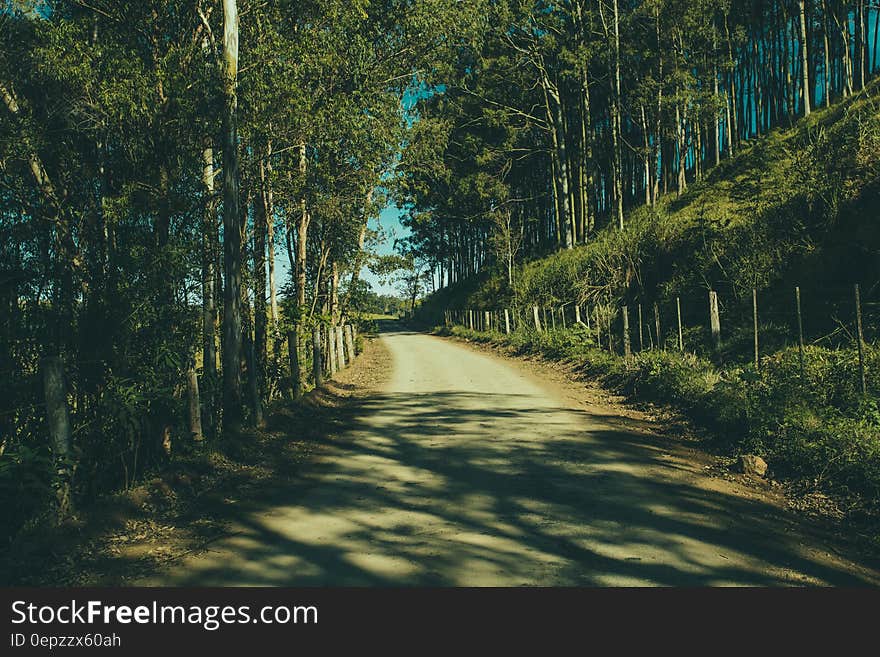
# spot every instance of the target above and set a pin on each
(600, 319)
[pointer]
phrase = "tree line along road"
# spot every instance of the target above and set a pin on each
(465, 469)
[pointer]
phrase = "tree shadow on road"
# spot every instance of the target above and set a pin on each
(450, 488)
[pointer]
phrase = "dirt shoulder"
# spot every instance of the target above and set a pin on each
(183, 510)
(811, 513)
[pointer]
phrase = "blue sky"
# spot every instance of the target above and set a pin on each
(388, 220)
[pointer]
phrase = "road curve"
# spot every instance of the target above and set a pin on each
(466, 470)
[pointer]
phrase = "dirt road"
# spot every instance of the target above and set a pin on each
(466, 469)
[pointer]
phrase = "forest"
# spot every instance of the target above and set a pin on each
(186, 189)
(570, 116)
(155, 159)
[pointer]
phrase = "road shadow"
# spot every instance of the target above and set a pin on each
(423, 488)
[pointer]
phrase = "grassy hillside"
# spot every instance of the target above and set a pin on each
(800, 207)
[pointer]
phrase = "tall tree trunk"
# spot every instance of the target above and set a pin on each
(553, 104)
(733, 123)
(232, 325)
(876, 39)
(716, 119)
(805, 58)
(209, 294)
(270, 243)
(571, 171)
(556, 225)
(302, 236)
(362, 237)
(194, 406)
(845, 54)
(587, 178)
(586, 159)
(788, 63)
(254, 399)
(759, 88)
(681, 132)
(617, 167)
(658, 118)
(859, 29)
(261, 322)
(302, 229)
(646, 157)
(826, 51)
(58, 421)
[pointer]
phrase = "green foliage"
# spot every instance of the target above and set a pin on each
(26, 477)
(110, 249)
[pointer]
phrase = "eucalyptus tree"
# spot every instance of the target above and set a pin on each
(625, 100)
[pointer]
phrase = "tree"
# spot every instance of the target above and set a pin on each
(232, 260)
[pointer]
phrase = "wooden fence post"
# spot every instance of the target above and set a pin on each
(487, 320)
(627, 347)
(317, 367)
(680, 333)
(598, 326)
(657, 325)
(800, 322)
(253, 387)
(331, 349)
(577, 314)
(506, 322)
(610, 332)
(562, 316)
(58, 421)
(755, 322)
(195, 408)
(860, 337)
(641, 335)
(349, 342)
(537, 321)
(553, 316)
(340, 349)
(293, 357)
(715, 321)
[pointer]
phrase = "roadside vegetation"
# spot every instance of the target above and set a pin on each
(816, 430)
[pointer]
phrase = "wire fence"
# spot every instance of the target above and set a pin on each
(726, 328)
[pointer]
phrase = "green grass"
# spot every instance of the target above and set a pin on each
(798, 206)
